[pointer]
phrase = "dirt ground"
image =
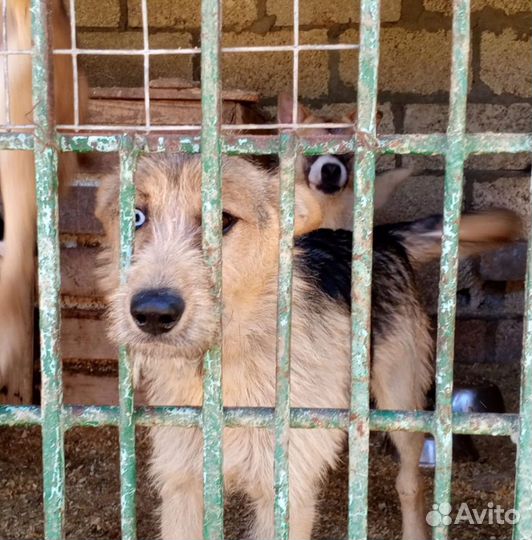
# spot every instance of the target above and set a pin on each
(93, 482)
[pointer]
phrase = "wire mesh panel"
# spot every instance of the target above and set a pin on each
(216, 139)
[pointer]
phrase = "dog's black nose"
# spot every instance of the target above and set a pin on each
(157, 311)
(331, 175)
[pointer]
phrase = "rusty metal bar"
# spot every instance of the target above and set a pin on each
(523, 474)
(362, 262)
(213, 496)
(126, 424)
(284, 326)
(454, 176)
(49, 276)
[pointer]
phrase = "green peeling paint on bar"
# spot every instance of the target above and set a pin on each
(284, 324)
(213, 485)
(128, 464)
(523, 485)
(264, 417)
(420, 144)
(49, 278)
(16, 141)
(454, 167)
(362, 261)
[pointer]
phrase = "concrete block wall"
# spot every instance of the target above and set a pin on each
(413, 92)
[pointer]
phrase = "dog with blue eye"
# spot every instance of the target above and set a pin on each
(331, 176)
(165, 315)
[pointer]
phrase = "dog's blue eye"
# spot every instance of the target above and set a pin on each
(140, 218)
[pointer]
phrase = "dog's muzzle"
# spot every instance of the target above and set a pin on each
(328, 174)
(157, 311)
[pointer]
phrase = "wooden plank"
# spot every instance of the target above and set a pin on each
(76, 211)
(86, 339)
(173, 82)
(161, 92)
(131, 112)
(84, 389)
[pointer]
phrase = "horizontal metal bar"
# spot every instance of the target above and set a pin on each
(20, 416)
(16, 141)
(494, 143)
(264, 417)
(477, 143)
(197, 50)
(16, 52)
(485, 424)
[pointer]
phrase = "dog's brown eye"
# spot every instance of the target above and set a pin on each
(228, 221)
(141, 216)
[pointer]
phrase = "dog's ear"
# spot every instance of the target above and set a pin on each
(387, 182)
(308, 214)
(353, 117)
(285, 109)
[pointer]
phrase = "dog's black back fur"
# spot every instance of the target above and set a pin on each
(325, 260)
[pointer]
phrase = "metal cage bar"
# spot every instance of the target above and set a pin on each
(49, 277)
(126, 421)
(211, 21)
(284, 322)
(454, 175)
(264, 417)
(433, 145)
(523, 485)
(362, 262)
(456, 145)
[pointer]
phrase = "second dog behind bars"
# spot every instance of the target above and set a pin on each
(165, 315)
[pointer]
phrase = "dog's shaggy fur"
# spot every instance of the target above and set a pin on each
(168, 258)
(337, 198)
(17, 170)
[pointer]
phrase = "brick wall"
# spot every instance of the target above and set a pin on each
(414, 78)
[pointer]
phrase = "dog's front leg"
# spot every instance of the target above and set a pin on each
(182, 511)
(302, 515)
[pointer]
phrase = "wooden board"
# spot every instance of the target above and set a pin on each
(131, 112)
(160, 91)
(83, 389)
(86, 339)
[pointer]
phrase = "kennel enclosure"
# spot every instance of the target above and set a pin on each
(217, 139)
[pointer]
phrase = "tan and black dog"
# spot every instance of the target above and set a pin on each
(165, 315)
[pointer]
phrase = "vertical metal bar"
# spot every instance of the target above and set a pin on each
(295, 65)
(523, 485)
(212, 247)
(128, 463)
(361, 270)
(454, 175)
(75, 72)
(146, 45)
(284, 325)
(49, 276)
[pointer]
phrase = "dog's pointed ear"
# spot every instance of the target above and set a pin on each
(285, 109)
(353, 117)
(308, 214)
